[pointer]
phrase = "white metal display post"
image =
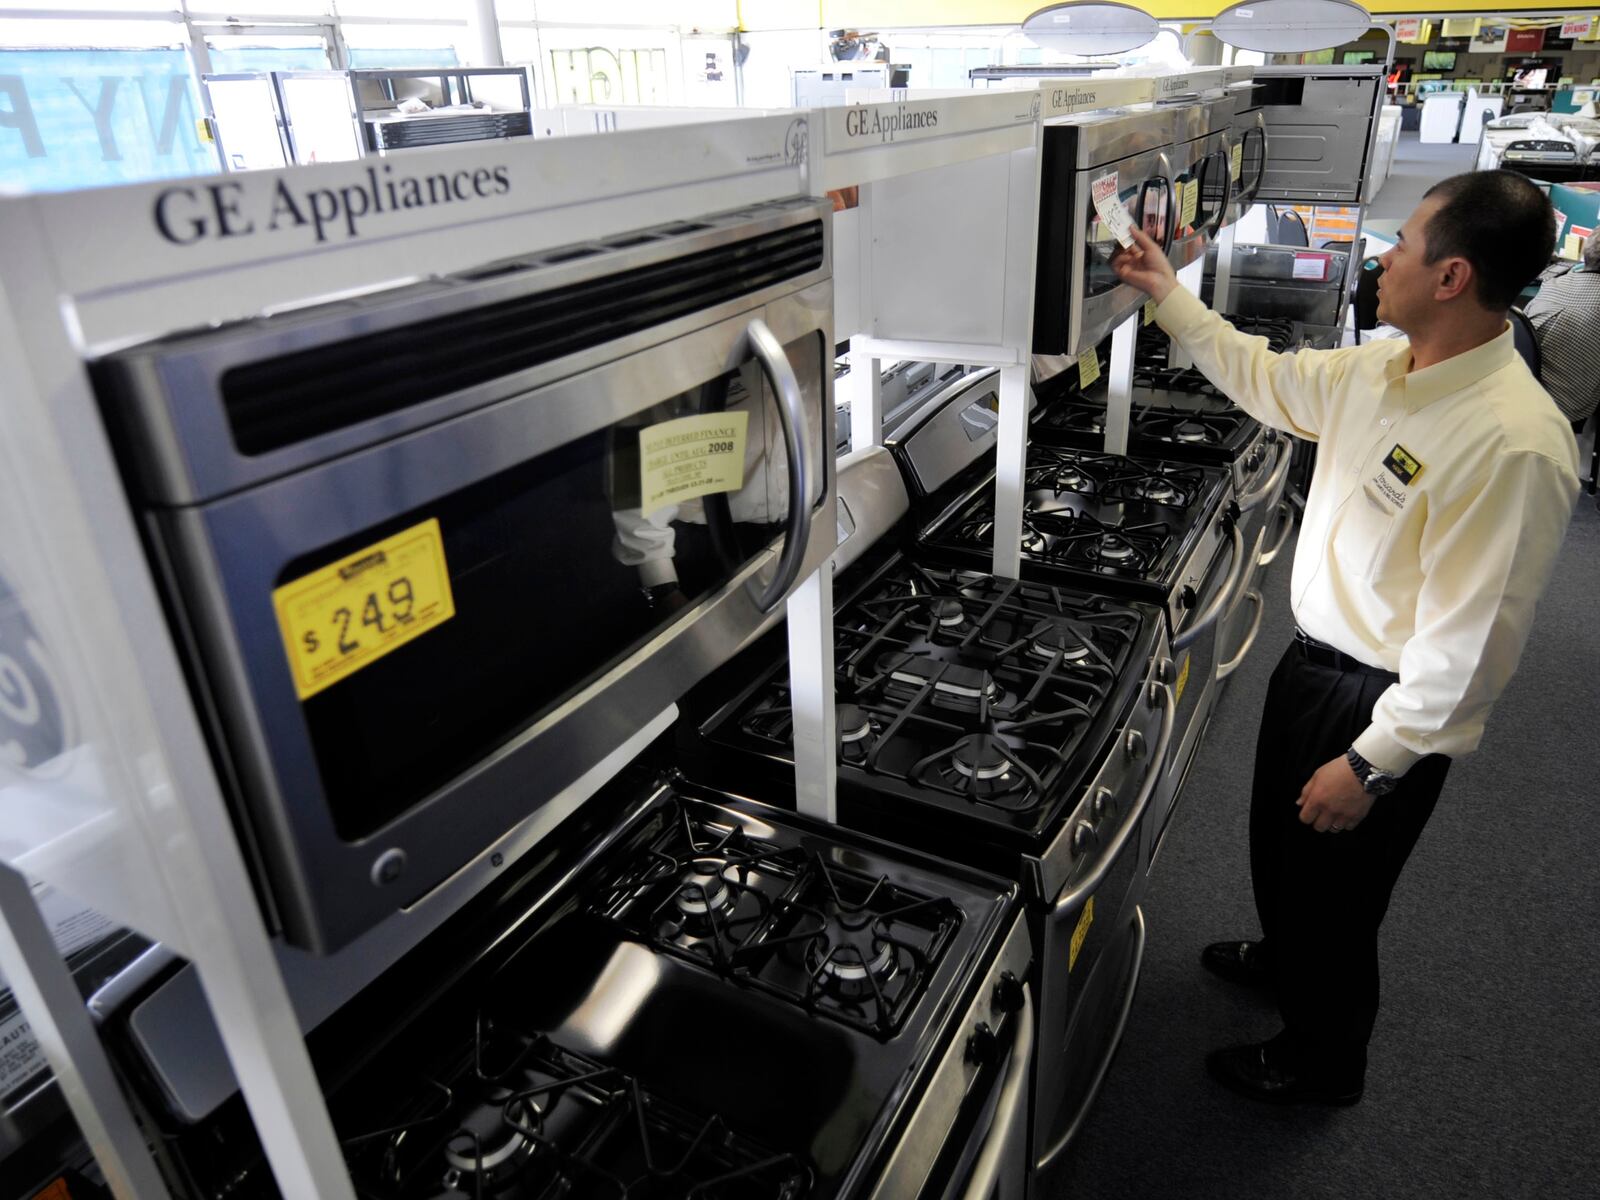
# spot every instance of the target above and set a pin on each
(105, 778)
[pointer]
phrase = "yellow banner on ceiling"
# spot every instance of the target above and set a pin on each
(889, 14)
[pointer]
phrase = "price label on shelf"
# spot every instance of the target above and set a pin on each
(1088, 367)
(1236, 161)
(1191, 203)
(349, 614)
(1114, 216)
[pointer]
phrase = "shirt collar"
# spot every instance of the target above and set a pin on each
(1453, 374)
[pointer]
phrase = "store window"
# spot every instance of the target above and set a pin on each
(86, 104)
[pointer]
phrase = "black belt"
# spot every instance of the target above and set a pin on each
(1325, 655)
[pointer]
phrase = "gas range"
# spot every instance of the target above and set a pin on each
(724, 1000)
(986, 702)
(1018, 726)
(1129, 527)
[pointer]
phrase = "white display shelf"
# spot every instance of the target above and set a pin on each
(115, 800)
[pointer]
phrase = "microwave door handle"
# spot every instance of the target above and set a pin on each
(1169, 227)
(1071, 898)
(1009, 1110)
(780, 374)
(1227, 193)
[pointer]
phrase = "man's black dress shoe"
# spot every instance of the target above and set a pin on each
(1263, 1072)
(1238, 962)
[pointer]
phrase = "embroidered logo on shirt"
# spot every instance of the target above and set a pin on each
(1402, 465)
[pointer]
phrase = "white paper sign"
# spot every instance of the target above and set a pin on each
(1577, 28)
(1113, 213)
(1408, 29)
(1311, 266)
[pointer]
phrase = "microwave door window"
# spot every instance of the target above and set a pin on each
(1100, 244)
(558, 568)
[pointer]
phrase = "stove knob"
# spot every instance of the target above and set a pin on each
(1135, 744)
(1008, 993)
(1101, 804)
(1188, 597)
(1083, 838)
(982, 1045)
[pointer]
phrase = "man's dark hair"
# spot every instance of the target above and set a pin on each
(1501, 223)
(1591, 253)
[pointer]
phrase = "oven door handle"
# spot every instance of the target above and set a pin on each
(1224, 597)
(780, 374)
(1232, 665)
(1286, 512)
(1069, 900)
(1280, 471)
(1104, 1066)
(1009, 1110)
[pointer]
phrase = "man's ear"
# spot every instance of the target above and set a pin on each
(1454, 279)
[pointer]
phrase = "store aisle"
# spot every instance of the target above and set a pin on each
(1482, 1080)
(1416, 169)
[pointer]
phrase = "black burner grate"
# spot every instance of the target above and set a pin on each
(967, 685)
(857, 949)
(523, 1118)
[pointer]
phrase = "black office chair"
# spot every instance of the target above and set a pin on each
(1291, 230)
(1526, 339)
(1366, 299)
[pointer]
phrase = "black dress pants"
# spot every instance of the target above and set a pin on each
(1322, 896)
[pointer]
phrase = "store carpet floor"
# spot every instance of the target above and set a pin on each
(1483, 1079)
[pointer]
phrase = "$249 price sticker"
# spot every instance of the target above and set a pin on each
(351, 613)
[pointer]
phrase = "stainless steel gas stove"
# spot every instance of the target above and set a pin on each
(1157, 530)
(705, 997)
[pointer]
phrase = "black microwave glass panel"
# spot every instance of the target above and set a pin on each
(556, 575)
(1150, 214)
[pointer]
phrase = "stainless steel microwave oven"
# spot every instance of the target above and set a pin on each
(1078, 298)
(1202, 157)
(435, 552)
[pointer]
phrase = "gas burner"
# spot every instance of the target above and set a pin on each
(704, 889)
(1158, 491)
(855, 965)
(1070, 479)
(554, 1123)
(948, 612)
(1191, 431)
(701, 891)
(852, 723)
(1053, 637)
(1113, 547)
(491, 1144)
(981, 756)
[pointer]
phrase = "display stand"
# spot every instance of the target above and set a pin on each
(111, 795)
(958, 172)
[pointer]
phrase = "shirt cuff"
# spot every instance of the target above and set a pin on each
(1181, 312)
(657, 571)
(1383, 752)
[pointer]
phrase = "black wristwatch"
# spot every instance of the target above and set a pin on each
(1374, 782)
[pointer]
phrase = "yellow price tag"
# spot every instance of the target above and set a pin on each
(1236, 161)
(691, 456)
(352, 612)
(1149, 311)
(1191, 202)
(1079, 933)
(1178, 189)
(1183, 680)
(1088, 367)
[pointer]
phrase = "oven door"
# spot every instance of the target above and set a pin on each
(408, 649)
(1089, 953)
(1078, 297)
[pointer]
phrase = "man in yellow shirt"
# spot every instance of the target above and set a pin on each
(1445, 481)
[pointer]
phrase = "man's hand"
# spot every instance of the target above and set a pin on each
(1333, 798)
(1145, 266)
